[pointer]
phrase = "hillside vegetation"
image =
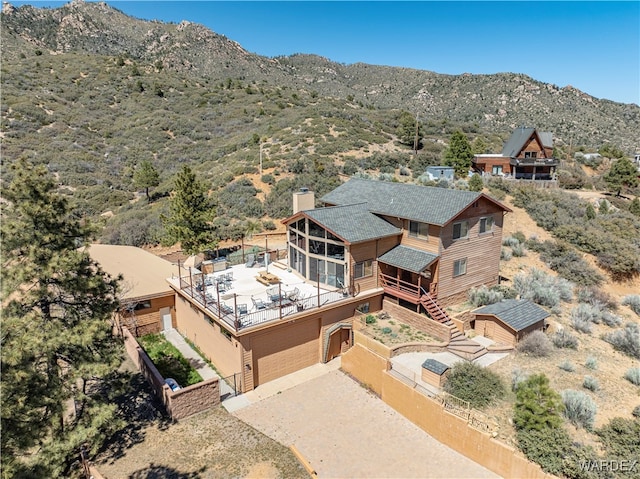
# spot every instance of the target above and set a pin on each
(91, 93)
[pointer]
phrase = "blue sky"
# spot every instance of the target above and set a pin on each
(591, 45)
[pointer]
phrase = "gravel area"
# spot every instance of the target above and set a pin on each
(345, 431)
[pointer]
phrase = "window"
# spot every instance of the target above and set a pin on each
(335, 251)
(225, 333)
(364, 268)
(316, 230)
(496, 170)
(142, 305)
(316, 247)
(530, 154)
(460, 230)
(418, 230)
(460, 267)
(486, 224)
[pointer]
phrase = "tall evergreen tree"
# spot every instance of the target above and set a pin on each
(623, 173)
(191, 213)
(459, 154)
(57, 343)
(409, 130)
(146, 176)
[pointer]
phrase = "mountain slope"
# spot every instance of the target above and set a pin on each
(495, 103)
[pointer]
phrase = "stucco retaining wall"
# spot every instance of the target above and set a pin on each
(372, 370)
(178, 404)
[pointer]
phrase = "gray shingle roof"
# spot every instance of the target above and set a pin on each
(353, 223)
(426, 204)
(435, 366)
(407, 258)
(519, 137)
(516, 313)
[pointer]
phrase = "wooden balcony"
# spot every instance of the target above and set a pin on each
(400, 289)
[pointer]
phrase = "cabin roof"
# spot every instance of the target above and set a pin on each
(519, 314)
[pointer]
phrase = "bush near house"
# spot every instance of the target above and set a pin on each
(475, 384)
(169, 361)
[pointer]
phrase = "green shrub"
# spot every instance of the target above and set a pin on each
(370, 319)
(536, 344)
(483, 295)
(474, 383)
(579, 408)
(563, 339)
(386, 330)
(169, 361)
(269, 225)
(542, 288)
(537, 407)
(567, 366)
(621, 439)
(596, 296)
(633, 301)
(590, 383)
(518, 376)
(505, 254)
(626, 340)
(510, 241)
(518, 251)
(633, 376)
(591, 363)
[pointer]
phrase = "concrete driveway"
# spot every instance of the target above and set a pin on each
(346, 432)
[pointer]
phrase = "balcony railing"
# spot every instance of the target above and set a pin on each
(402, 289)
(281, 308)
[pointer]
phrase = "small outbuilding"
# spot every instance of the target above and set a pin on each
(434, 372)
(508, 321)
(437, 173)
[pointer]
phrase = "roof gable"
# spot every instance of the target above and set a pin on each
(521, 136)
(352, 223)
(425, 204)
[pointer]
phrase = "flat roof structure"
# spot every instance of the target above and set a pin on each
(144, 274)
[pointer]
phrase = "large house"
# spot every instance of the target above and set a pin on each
(419, 247)
(528, 154)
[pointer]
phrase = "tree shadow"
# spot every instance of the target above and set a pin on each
(139, 408)
(154, 471)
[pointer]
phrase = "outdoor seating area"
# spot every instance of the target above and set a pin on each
(235, 295)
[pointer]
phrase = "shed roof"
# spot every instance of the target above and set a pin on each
(144, 273)
(408, 258)
(519, 314)
(353, 223)
(426, 204)
(435, 366)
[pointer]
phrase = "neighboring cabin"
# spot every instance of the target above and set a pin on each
(528, 154)
(437, 173)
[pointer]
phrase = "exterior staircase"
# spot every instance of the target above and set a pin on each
(459, 344)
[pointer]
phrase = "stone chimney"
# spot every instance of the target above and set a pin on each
(303, 200)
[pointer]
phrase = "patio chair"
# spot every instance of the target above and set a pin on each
(242, 309)
(258, 303)
(226, 309)
(251, 260)
(273, 294)
(293, 294)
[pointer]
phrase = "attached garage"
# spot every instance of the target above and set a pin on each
(508, 321)
(285, 350)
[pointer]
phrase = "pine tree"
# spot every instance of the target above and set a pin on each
(459, 154)
(476, 183)
(146, 176)
(590, 212)
(538, 407)
(191, 215)
(57, 343)
(623, 173)
(634, 207)
(406, 130)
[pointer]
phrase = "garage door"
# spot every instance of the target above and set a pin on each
(286, 350)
